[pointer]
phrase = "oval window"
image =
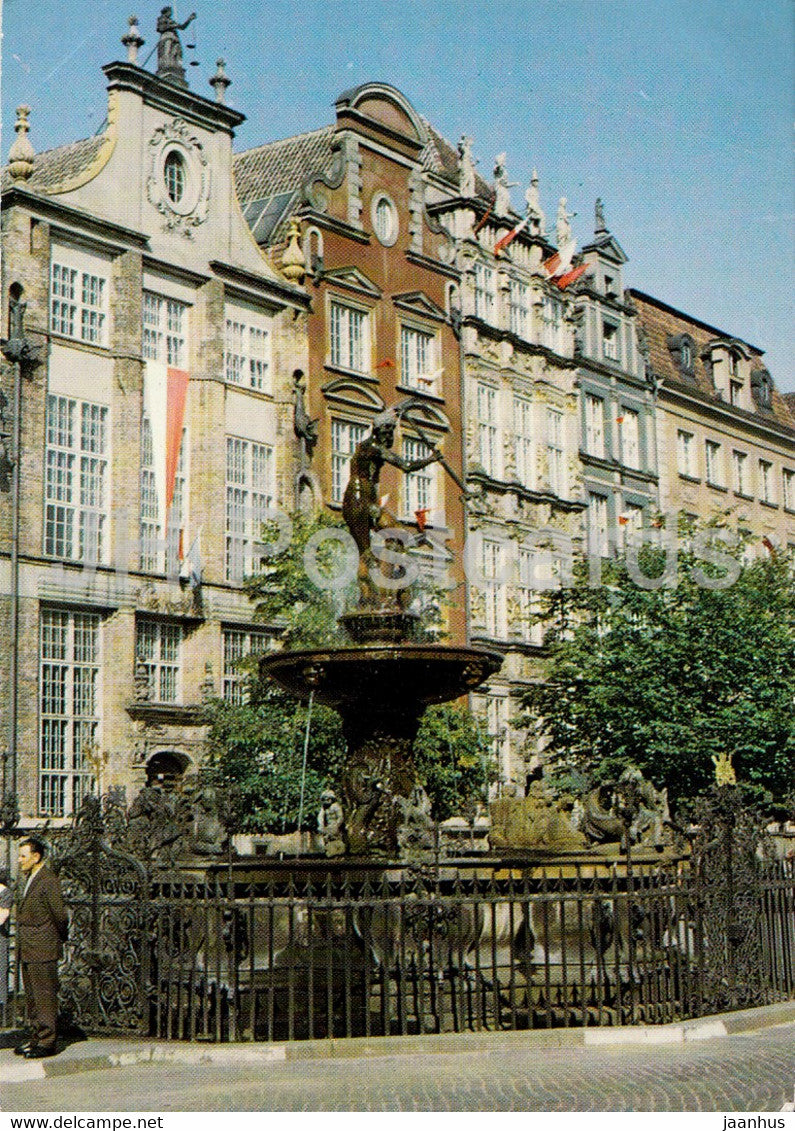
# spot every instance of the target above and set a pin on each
(174, 174)
(385, 220)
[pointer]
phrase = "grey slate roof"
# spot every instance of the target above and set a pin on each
(54, 166)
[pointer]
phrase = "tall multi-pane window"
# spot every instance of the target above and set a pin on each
(530, 626)
(630, 523)
(552, 324)
(740, 469)
(160, 554)
(519, 298)
(345, 435)
(485, 293)
(714, 463)
(685, 453)
(598, 542)
(736, 391)
(491, 564)
(165, 329)
(158, 646)
(766, 488)
(629, 424)
(76, 480)
(499, 738)
(247, 355)
(418, 359)
(350, 338)
(488, 430)
(239, 643)
(788, 488)
(594, 425)
(78, 304)
(523, 440)
(419, 487)
(69, 708)
(556, 467)
(249, 499)
(610, 340)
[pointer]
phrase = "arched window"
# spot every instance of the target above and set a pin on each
(174, 175)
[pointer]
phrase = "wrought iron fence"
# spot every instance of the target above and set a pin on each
(225, 950)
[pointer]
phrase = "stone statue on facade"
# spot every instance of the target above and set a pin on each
(537, 220)
(502, 186)
(169, 47)
(306, 431)
(567, 244)
(466, 167)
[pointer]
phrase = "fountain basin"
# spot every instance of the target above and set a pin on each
(384, 677)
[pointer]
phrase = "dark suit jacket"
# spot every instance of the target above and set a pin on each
(42, 920)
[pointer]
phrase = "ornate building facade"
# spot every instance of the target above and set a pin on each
(150, 438)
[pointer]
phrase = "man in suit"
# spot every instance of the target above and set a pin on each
(42, 928)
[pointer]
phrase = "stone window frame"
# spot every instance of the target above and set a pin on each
(237, 643)
(382, 205)
(77, 467)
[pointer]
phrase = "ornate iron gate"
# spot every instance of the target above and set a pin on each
(104, 980)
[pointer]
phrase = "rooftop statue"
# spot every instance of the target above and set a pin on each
(502, 186)
(169, 48)
(466, 167)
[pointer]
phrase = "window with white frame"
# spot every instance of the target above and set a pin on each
(598, 541)
(78, 304)
(630, 523)
(250, 494)
(736, 393)
(488, 430)
(610, 340)
(556, 466)
(238, 644)
(77, 483)
(594, 425)
(499, 738)
(767, 491)
(788, 488)
(345, 435)
(740, 470)
(418, 354)
(159, 554)
(629, 423)
(485, 293)
(686, 453)
(530, 626)
(519, 299)
(349, 337)
(247, 354)
(419, 487)
(158, 646)
(492, 563)
(523, 440)
(69, 708)
(165, 330)
(714, 462)
(552, 324)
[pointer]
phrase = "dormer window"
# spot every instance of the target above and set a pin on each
(762, 387)
(735, 388)
(733, 360)
(610, 286)
(682, 349)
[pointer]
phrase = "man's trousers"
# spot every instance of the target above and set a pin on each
(40, 980)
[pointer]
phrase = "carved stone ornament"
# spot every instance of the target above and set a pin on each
(183, 200)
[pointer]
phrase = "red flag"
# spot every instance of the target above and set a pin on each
(386, 364)
(422, 518)
(622, 520)
(769, 546)
(482, 221)
(510, 237)
(176, 394)
(571, 276)
(551, 265)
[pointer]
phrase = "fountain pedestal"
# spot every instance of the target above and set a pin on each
(381, 690)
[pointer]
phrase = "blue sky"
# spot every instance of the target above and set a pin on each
(678, 114)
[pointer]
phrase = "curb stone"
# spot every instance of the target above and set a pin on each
(90, 1057)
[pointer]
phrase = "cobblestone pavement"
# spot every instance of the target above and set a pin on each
(748, 1072)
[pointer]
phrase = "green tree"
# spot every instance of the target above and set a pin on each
(667, 678)
(452, 758)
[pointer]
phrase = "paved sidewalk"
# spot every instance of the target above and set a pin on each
(102, 1053)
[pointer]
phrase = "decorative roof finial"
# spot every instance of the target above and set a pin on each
(293, 266)
(21, 155)
(220, 81)
(132, 40)
(169, 48)
(600, 227)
